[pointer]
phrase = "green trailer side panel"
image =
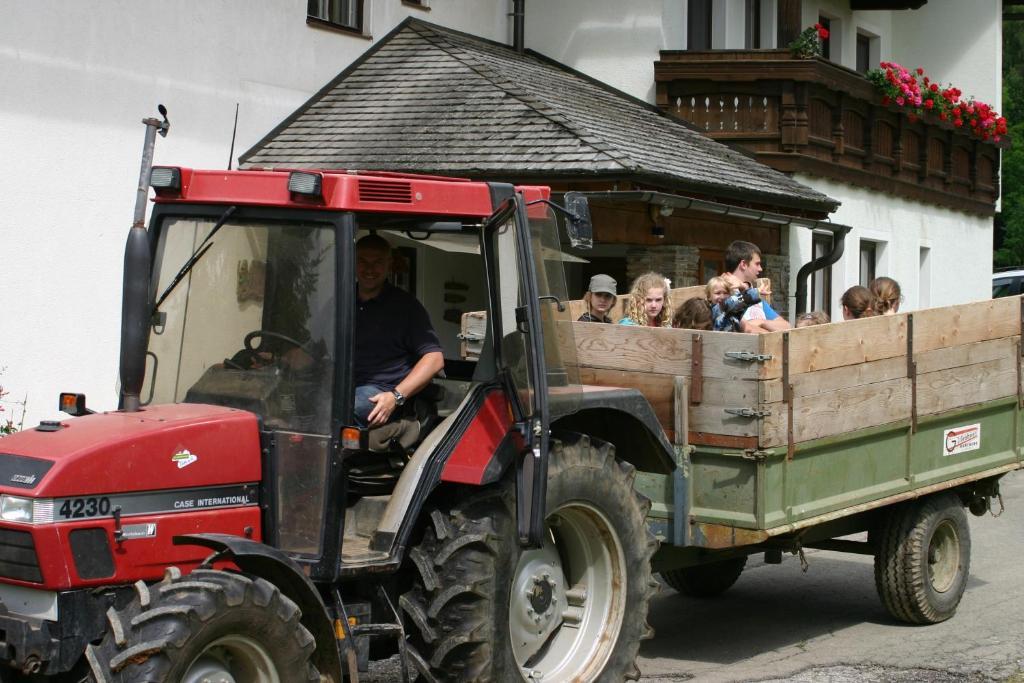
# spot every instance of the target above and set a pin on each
(765, 490)
(724, 488)
(823, 477)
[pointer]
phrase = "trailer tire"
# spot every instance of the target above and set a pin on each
(923, 559)
(204, 626)
(706, 580)
(476, 596)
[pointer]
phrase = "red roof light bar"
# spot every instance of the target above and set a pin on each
(343, 191)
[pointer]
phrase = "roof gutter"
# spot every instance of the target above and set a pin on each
(671, 202)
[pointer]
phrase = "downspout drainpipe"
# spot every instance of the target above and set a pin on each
(518, 25)
(817, 264)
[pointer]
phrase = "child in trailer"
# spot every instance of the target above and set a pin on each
(812, 318)
(600, 298)
(693, 314)
(888, 296)
(858, 302)
(716, 290)
(648, 303)
(727, 315)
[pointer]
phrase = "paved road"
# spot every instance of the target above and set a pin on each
(828, 625)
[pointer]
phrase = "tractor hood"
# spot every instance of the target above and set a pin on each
(162, 447)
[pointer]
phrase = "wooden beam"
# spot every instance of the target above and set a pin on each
(790, 20)
(661, 350)
(838, 412)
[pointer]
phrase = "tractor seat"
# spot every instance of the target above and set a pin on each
(387, 447)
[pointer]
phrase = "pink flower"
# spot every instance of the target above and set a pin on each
(900, 101)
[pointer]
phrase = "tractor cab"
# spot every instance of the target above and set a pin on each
(253, 308)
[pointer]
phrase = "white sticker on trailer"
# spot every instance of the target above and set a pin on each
(961, 439)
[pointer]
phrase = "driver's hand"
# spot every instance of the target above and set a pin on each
(383, 407)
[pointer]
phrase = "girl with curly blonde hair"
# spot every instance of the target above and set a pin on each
(648, 303)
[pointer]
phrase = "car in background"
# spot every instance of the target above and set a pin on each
(1007, 282)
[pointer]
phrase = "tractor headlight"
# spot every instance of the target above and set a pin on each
(16, 509)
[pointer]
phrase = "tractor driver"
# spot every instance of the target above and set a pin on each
(397, 352)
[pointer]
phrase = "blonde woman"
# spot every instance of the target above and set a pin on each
(648, 303)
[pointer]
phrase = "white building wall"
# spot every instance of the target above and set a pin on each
(956, 42)
(612, 41)
(957, 270)
(77, 78)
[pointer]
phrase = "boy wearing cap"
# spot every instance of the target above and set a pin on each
(600, 298)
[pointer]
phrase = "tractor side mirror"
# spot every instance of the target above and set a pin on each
(578, 223)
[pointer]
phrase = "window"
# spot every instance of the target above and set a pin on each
(752, 38)
(698, 25)
(867, 50)
(826, 45)
(344, 13)
(821, 281)
(924, 277)
(711, 263)
(868, 260)
(863, 53)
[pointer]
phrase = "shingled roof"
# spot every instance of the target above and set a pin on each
(427, 99)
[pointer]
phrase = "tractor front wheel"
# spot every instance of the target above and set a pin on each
(207, 626)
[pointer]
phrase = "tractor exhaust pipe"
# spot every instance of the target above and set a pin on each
(135, 314)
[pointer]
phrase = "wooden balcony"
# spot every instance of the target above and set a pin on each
(814, 117)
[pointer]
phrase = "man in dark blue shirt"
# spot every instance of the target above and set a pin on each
(397, 352)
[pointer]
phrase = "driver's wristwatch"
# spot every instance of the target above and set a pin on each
(399, 397)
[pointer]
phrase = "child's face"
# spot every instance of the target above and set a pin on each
(654, 301)
(601, 302)
(718, 294)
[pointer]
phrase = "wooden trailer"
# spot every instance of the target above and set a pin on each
(783, 431)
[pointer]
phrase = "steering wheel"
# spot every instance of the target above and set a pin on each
(267, 334)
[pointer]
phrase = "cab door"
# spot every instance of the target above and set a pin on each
(533, 346)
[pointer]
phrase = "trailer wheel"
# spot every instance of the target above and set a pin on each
(923, 559)
(207, 626)
(482, 609)
(706, 580)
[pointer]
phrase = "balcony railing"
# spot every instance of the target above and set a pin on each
(815, 117)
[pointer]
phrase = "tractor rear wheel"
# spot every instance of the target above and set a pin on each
(923, 559)
(211, 626)
(706, 580)
(483, 609)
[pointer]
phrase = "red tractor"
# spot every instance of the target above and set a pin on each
(229, 524)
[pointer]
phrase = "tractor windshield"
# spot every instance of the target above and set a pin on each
(250, 324)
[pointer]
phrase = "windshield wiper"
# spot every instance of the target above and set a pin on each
(200, 251)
